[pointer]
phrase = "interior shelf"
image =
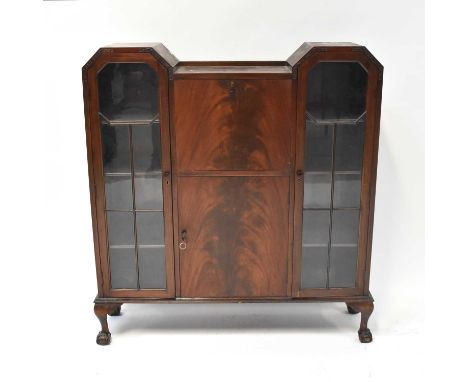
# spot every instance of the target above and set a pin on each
(333, 121)
(136, 173)
(132, 246)
(328, 209)
(136, 117)
(132, 210)
(338, 172)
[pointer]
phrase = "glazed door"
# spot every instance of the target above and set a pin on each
(334, 159)
(234, 236)
(132, 175)
(233, 160)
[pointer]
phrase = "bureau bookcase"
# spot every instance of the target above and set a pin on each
(232, 181)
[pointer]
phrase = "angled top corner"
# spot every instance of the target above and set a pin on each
(308, 48)
(158, 50)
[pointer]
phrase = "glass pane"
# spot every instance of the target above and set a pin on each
(318, 148)
(131, 143)
(148, 192)
(345, 227)
(120, 228)
(150, 228)
(349, 147)
(146, 148)
(343, 266)
(347, 190)
(334, 144)
(336, 90)
(116, 149)
(317, 190)
(128, 91)
(314, 267)
(123, 268)
(315, 227)
(119, 192)
(152, 265)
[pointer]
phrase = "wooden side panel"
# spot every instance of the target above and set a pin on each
(237, 236)
(232, 124)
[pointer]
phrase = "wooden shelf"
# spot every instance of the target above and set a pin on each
(124, 119)
(333, 121)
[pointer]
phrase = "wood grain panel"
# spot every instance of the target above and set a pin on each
(233, 124)
(237, 236)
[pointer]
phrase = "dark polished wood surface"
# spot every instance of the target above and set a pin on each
(180, 300)
(232, 124)
(237, 236)
(232, 140)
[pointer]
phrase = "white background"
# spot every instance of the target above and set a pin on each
(47, 273)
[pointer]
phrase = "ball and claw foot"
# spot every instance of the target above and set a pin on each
(351, 310)
(103, 338)
(115, 312)
(365, 336)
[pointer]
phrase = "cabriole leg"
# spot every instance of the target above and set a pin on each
(365, 308)
(351, 310)
(115, 310)
(101, 311)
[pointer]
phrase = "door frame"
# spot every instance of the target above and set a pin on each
(103, 57)
(369, 170)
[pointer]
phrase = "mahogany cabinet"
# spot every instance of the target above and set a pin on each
(232, 181)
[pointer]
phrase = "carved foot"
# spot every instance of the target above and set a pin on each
(115, 311)
(103, 338)
(351, 310)
(365, 308)
(365, 336)
(102, 311)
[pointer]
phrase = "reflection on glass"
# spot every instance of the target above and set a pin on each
(152, 267)
(318, 148)
(334, 146)
(147, 148)
(150, 228)
(116, 149)
(120, 230)
(345, 227)
(131, 144)
(317, 188)
(314, 267)
(123, 268)
(348, 147)
(315, 227)
(336, 90)
(347, 191)
(128, 91)
(119, 192)
(343, 266)
(148, 192)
